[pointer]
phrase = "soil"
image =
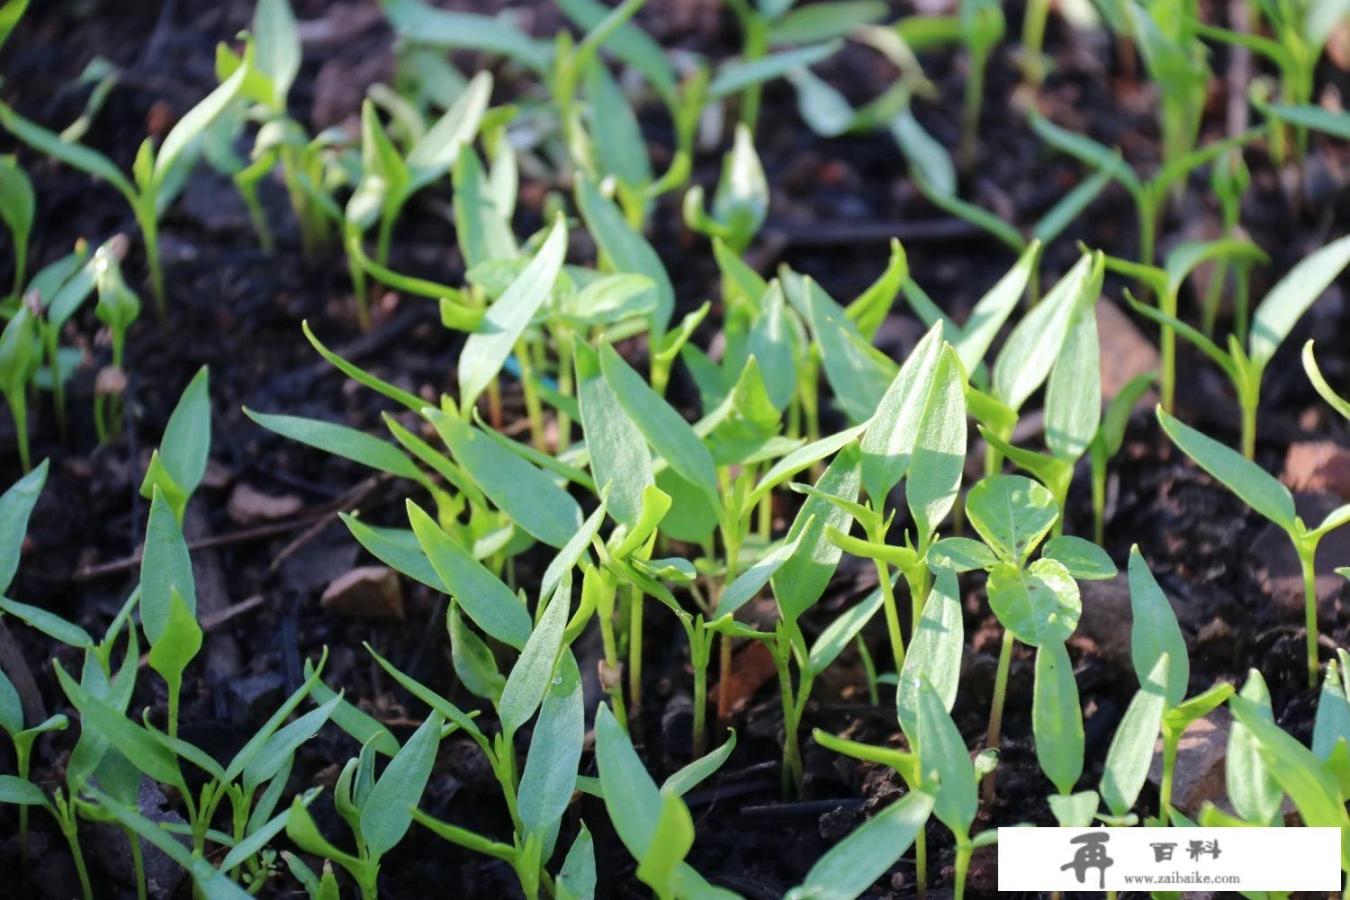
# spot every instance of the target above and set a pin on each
(835, 205)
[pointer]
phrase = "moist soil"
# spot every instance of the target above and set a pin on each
(836, 204)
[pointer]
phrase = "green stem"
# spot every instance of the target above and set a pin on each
(1167, 351)
(565, 374)
(1098, 460)
(792, 763)
(72, 832)
(137, 862)
(51, 338)
(534, 410)
(1033, 39)
(605, 613)
(970, 119)
(963, 853)
(1307, 557)
(921, 864)
(869, 669)
(876, 535)
(1170, 740)
(700, 666)
(18, 407)
(1249, 429)
(995, 732)
(148, 220)
(635, 605)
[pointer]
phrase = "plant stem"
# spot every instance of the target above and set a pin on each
(1307, 557)
(963, 853)
(970, 119)
(1249, 430)
(1171, 739)
(72, 832)
(604, 609)
(1167, 351)
(148, 221)
(921, 864)
(876, 535)
(1033, 39)
(869, 669)
(995, 732)
(700, 666)
(1098, 496)
(137, 862)
(635, 605)
(18, 407)
(534, 411)
(792, 763)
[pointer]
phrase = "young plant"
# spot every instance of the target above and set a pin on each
(158, 175)
(59, 290)
(982, 27)
(1108, 440)
(1265, 494)
(17, 208)
(20, 356)
(741, 201)
(1037, 602)
(1176, 61)
(1275, 317)
(118, 308)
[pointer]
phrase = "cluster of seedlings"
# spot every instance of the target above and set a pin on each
(630, 502)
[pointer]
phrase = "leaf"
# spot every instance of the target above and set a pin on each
(279, 749)
(857, 373)
(934, 477)
(841, 632)
(626, 250)
(570, 555)
(442, 706)
(491, 605)
(396, 548)
(1253, 791)
(824, 110)
(1336, 124)
(1073, 397)
(663, 428)
(945, 764)
(194, 123)
(1084, 559)
(1057, 717)
(532, 675)
(1155, 631)
(73, 154)
(1332, 723)
(801, 581)
(16, 505)
(629, 43)
(531, 498)
(342, 441)
(576, 879)
(1012, 513)
(277, 46)
(178, 643)
(960, 555)
(993, 309)
(472, 659)
(18, 792)
(420, 22)
(695, 773)
(363, 728)
(387, 812)
(506, 319)
(1085, 150)
(854, 864)
(803, 457)
(1131, 750)
(187, 438)
(48, 623)
(550, 773)
(928, 159)
(618, 451)
(671, 842)
(1319, 383)
(1256, 487)
(749, 583)
(934, 657)
(741, 201)
(17, 204)
(436, 152)
(166, 568)
(738, 74)
(770, 342)
(1031, 350)
(889, 439)
(1038, 605)
(1291, 297)
(1074, 811)
(481, 228)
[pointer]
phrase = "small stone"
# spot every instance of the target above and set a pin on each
(248, 504)
(1125, 352)
(368, 592)
(1316, 467)
(1199, 772)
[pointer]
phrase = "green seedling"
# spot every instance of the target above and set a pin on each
(1033, 59)
(741, 201)
(982, 27)
(1229, 180)
(20, 357)
(1169, 44)
(1275, 317)
(59, 290)
(1319, 383)
(17, 208)
(158, 175)
(1037, 602)
(1149, 194)
(1108, 440)
(1165, 285)
(1265, 494)
(118, 308)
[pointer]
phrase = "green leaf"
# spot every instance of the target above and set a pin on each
(48, 623)
(187, 439)
(1039, 604)
(618, 451)
(550, 773)
(801, 581)
(824, 110)
(18, 792)
(567, 558)
(741, 201)
(279, 750)
(1291, 297)
(960, 555)
(1073, 397)
(532, 675)
(363, 728)
(695, 773)
(934, 655)
(889, 439)
(16, 505)
(530, 497)
(671, 842)
(387, 812)
(1131, 750)
(1012, 513)
(75, 155)
(629, 43)
(11, 707)
(803, 457)
(1084, 559)
(505, 321)
(442, 706)
(178, 643)
(1253, 791)
(934, 477)
(1035, 344)
(490, 604)
(17, 204)
(436, 152)
(1336, 124)
(993, 309)
(927, 158)
(195, 122)
(1332, 723)
(749, 583)
(10, 14)
(825, 21)
(852, 866)
(166, 568)
(945, 764)
(858, 374)
(1074, 811)
(481, 228)
(1155, 631)
(841, 632)
(1256, 487)
(342, 441)
(1057, 717)
(277, 53)
(1319, 383)
(361, 376)
(663, 428)
(425, 24)
(1085, 150)
(472, 659)
(626, 250)
(396, 548)
(576, 879)
(738, 74)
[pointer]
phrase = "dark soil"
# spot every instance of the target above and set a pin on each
(836, 204)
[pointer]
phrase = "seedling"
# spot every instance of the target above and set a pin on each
(60, 289)
(1275, 317)
(118, 308)
(20, 356)
(1265, 494)
(741, 201)
(982, 27)
(1175, 58)
(157, 175)
(1106, 443)
(17, 208)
